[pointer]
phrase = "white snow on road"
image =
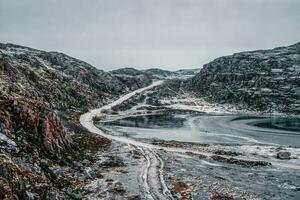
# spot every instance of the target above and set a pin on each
(86, 121)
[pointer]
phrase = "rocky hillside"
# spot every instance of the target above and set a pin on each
(265, 80)
(39, 158)
(57, 80)
(42, 95)
(133, 78)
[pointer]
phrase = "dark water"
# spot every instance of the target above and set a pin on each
(290, 124)
(150, 121)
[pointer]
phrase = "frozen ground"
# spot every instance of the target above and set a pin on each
(231, 159)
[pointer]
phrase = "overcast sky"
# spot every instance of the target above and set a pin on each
(171, 34)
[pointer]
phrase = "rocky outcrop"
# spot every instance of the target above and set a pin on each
(264, 80)
(30, 134)
(34, 128)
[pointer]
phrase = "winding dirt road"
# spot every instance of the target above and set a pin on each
(151, 180)
(86, 120)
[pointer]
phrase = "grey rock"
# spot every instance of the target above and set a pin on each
(228, 153)
(112, 163)
(118, 188)
(85, 162)
(284, 155)
(74, 193)
(245, 163)
(89, 173)
(57, 171)
(44, 162)
(77, 164)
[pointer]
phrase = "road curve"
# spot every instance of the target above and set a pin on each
(155, 188)
(86, 120)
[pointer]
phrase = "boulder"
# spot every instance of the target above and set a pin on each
(112, 163)
(245, 163)
(283, 155)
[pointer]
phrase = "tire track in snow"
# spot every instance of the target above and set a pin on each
(166, 190)
(144, 175)
(152, 176)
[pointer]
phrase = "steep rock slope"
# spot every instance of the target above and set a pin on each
(39, 159)
(59, 81)
(265, 80)
(133, 78)
(40, 93)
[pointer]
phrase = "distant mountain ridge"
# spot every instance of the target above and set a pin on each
(165, 74)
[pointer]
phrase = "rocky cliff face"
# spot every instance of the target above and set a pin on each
(59, 81)
(29, 134)
(265, 80)
(38, 157)
(34, 127)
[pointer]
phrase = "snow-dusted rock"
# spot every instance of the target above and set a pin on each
(265, 80)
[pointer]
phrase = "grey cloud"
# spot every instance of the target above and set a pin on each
(171, 34)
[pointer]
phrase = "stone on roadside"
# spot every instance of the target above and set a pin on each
(283, 155)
